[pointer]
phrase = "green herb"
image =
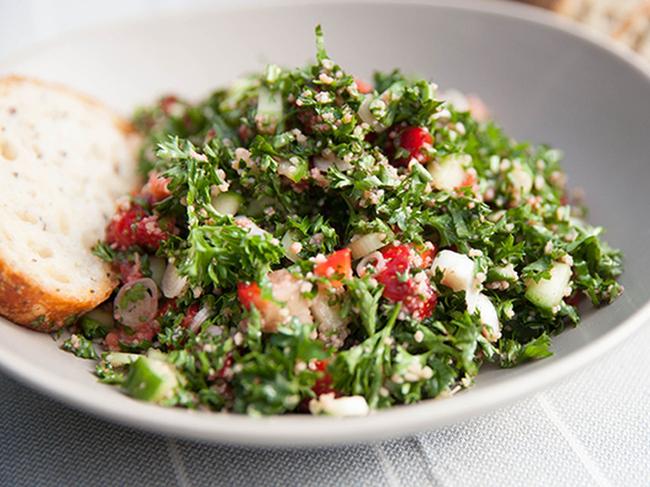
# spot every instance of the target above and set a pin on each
(80, 346)
(314, 164)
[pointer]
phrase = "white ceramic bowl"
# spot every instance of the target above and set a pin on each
(543, 78)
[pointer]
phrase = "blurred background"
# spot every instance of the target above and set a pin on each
(25, 22)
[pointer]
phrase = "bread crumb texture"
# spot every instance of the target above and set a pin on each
(64, 161)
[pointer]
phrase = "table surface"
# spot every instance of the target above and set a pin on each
(591, 429)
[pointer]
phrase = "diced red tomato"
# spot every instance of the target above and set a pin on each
(144, 332)
(227, 366)
(323, 384)
(169, 304)
(121, 230)
(418, 298)
(190, 314)
(574, 299)
(426, 254)
(250, 294)
(394, 276)
(336, 268)
(134, 227)
(148, 232)
(421, 302)
(414, 140)
(470, 180)
(130, 271)
(112, 341)
(362, 86)
(156, 187)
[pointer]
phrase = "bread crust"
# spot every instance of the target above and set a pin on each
(24, 300)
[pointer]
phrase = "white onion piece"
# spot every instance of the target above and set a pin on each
(375, 257)
(489, 318)
(200, 317)
(215, 330)
(285, 168)
(367, 244)
(328, 317)
(322, 163)
(366, 115)
(339, 406)
(342, 165)
(449, 172)
(132, 312)
(173, 284)
(457, 270)
(248, 224)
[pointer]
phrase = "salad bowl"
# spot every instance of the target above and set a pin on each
(544, 79)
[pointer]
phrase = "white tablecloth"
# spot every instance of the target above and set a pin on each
(592, 429)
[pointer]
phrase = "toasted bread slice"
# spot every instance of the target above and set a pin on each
(64, 161)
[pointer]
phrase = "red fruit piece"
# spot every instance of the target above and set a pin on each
(418, 297)
(323, 384)
(414, 140)
(144, 332)
(336, 268)
(130, 271)
(134, 227)
(148, 232)
(224, 371)
(362, 87)
(395, 274)
(120, 232)
(250, 294)
(156, 187)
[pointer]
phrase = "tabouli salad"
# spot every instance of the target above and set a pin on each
(310, 242)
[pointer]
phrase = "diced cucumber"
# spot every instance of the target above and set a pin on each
(548, 293)
(96, 324)
(237, 92)
(287, 243)
(256, 207)
(151, 380)
(103, 317)
(269, 110)
(157, 267)
(120, 359)
(227, 203)
(502, 273)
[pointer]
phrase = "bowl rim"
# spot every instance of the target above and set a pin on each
(298, 430)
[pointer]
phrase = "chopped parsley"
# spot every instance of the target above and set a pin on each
(314, 237)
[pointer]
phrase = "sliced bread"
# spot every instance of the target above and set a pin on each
(64, 161)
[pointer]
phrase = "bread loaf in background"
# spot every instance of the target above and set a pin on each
(64, 161)
(627, 21)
